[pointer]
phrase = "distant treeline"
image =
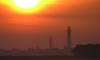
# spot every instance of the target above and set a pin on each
(87, 50)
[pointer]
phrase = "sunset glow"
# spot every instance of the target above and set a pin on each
(26, 4)
(29, 23)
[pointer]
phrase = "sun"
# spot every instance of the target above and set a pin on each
(26, 7)
(26, 4)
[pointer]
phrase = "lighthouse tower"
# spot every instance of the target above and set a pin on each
(69, 50)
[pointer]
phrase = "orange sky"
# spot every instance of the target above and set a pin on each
(31, 30)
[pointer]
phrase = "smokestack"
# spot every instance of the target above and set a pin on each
(50, 42)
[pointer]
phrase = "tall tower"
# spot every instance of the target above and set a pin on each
(50, 42)
(69, 37)
(69, 50)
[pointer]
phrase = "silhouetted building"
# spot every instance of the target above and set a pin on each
(89, 50)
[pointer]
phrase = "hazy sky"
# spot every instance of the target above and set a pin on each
(31, 30)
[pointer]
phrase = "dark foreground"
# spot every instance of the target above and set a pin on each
(47, 58)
